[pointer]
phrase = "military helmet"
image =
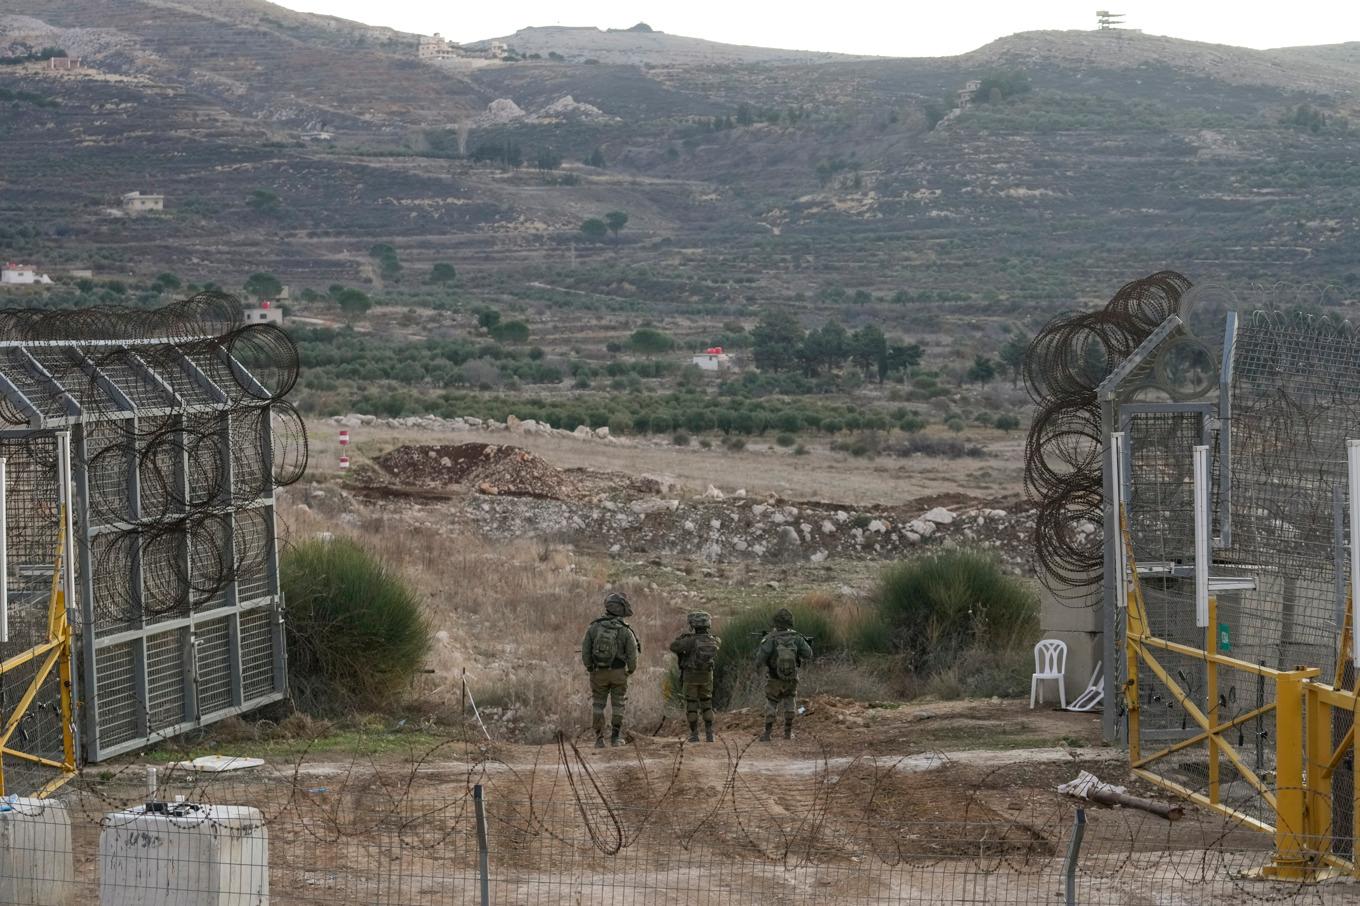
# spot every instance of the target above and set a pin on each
(700, 619)
(783, 618)
(617, 605)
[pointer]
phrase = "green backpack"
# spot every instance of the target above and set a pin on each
(605, 647)
(786, 655)
(703, 651)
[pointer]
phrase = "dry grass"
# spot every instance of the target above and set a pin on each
(512, 616)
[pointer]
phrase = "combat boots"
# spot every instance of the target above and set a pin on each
(769, 725)
(694, 731)
(599, 740)
(788, 728)
(614, 739)
(708, 731)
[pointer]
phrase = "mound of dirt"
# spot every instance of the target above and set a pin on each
(488, 468)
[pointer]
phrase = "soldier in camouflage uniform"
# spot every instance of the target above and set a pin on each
(696, 650)
(610, 651)
(782, 652)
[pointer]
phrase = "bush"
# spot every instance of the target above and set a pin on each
(680, 439)
(933, 609)
(356, 631)
(785, 440)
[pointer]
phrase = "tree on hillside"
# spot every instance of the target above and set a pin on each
(510, 332)
(999, 86)
(443, 272)
(595, 229)
(354, 303)
(869, 349)
(263, 286)
(488, 318)
(1012, 355)
(903, 357)
(596, 159)
(386, 256)
(263, 201)
(165, 282)
(548, 159)
(650, 341)
(982, 370)
(824, 349)
(775, 342)
(616, 221)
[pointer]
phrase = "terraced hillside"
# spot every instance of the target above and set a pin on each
(757, 175)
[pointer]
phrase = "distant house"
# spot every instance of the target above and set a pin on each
(12, 274)
(966, 93)
(81, 272)
(713, 359)
(63, 63)
(137, 203)
(264, 313)
(500, 50)
(434, 49)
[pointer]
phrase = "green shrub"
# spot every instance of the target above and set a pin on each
(932, 609)
(785, 440)
(741, 634)
(356, 631)
(680, 439)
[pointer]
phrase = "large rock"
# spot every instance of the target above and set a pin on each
(653, 505)
(921, 527)
(583, 432)
(787, 543)
(939, 516)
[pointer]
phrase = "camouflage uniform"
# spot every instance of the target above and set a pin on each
(610, 683)
(696, 678)
(781, 693)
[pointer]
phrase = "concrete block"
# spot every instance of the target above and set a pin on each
(210, 855)
(36, 868)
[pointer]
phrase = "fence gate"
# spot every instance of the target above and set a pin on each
(177, 611)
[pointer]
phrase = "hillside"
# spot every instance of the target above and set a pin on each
(640, 45)
(749, 175)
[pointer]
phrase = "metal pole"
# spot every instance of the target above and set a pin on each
(1202, 540)
(1353, 474)
(1073, 853)
(483, 854)
(1120, 555)
(4, 552)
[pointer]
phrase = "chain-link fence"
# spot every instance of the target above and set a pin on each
(386, 839)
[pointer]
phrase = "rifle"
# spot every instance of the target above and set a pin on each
(760, 634)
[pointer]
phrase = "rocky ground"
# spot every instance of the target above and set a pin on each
(504, 492)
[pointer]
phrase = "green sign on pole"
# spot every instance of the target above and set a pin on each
(1224, 638)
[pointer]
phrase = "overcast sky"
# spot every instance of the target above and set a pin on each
(885, 27)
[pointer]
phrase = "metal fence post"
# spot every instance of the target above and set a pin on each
(483, 854)
(1073, 854)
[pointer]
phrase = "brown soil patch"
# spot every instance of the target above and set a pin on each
(494, 469)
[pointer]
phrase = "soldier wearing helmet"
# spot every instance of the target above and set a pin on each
(782, 652)
(696, 649)
(610, 651)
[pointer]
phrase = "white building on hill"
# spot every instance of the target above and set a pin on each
(713, 359)
(137, 203)
(264, 313)
(12, 274)
(434, 49)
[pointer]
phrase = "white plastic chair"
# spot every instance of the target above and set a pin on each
(1094, 696)
(1050, 663)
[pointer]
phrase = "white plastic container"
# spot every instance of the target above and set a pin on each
(36, 868)
(211, 855)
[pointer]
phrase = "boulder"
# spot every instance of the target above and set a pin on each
(653, 505)
(602, 432)
(828, 527)
(939, 516)
(921, 527)
(878, 526)
(583, 432)
(713, 493)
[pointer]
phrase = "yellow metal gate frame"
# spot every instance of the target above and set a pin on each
(1305, 759)
(56, 654)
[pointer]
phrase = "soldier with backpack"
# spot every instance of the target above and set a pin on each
(696, 651)
(782, 652)
(610, 651)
